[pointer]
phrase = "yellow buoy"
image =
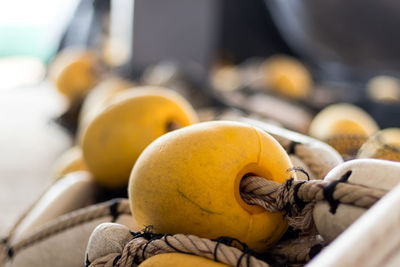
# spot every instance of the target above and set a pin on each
(287, 76)
(187, 181)
(343, 126)
(74, 72)
(114, 139)
(179, 259)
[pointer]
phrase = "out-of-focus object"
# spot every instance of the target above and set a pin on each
(63, 240)
(74, 72)
(75, 190)
(385, 144)
(20, 71)
(33, 28)
(226, 78)
(168, 74)
(349, 41)
(343, 126)
(384, 89)
(180, 30)
(287, 76)
(118, 45)
(116, 137)
(372, 241)
(290, 115)
(161, 74)
(29, 145)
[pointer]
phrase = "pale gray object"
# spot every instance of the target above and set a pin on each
(107, 238)
(371, 173)
(372, 241)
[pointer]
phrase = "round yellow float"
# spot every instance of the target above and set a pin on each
(74, 72)
(187, 181)
(287, 76)
(179, 259)
(114, 139)
(343, 126)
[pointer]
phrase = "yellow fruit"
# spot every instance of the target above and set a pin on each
(179, 259)
(98, 98)
(385, 144)
(114, 139)
(70, 161)
(74, 72)
(187, 181)
(343, 126)
(287, 76)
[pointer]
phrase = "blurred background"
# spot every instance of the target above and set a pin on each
(217, 53)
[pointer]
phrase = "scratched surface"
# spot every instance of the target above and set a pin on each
(29, 145)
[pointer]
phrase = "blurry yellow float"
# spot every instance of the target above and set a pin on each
(74, 72)
(114, 139)
(343, 126)
(287, 76)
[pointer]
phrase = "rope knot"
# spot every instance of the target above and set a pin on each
(275, 197)
(139, 249)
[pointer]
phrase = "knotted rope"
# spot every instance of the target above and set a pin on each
(65, 222)
(296, 199)
(141, 248)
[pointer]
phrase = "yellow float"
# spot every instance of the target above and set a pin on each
(287, 76)
(179, 259)
(74, 71)
(114, 139)
(187, 181)
(343, 126)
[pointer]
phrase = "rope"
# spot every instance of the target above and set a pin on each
(296, 199)
(73, 219)
(141, 248)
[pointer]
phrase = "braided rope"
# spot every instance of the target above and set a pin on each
(70, 220)
(140, 248)
(297, 198)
